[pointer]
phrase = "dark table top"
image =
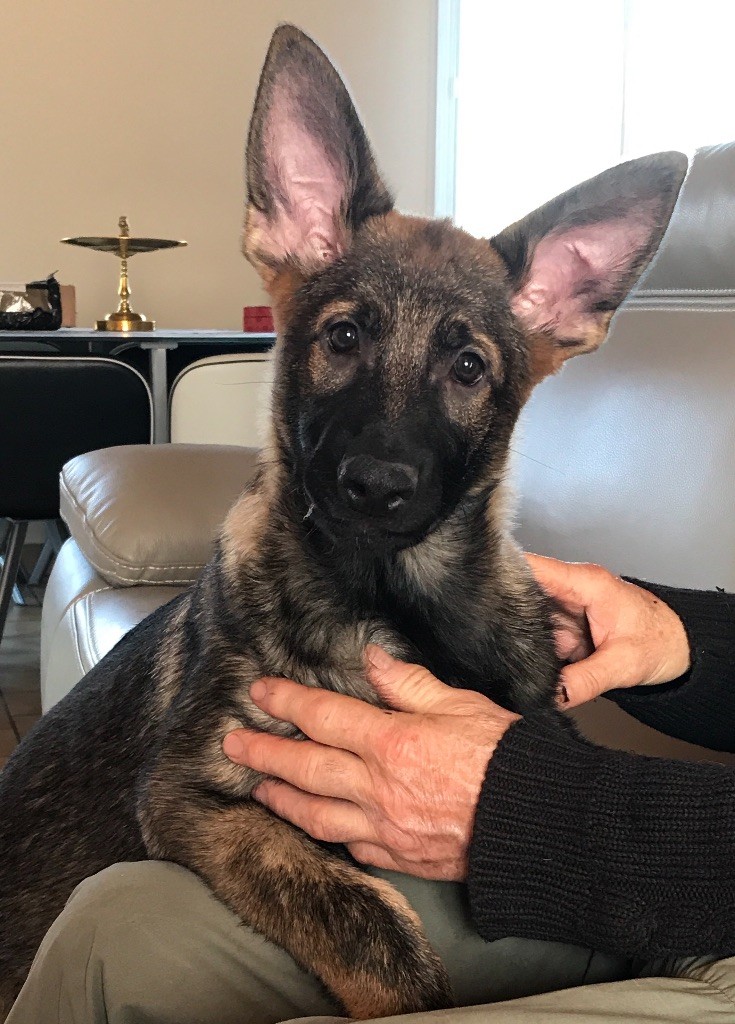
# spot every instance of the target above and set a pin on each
(194, 336)
(76, 341)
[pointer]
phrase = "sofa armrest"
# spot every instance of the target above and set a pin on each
(145, 514)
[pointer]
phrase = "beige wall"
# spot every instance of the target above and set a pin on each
(141, 108)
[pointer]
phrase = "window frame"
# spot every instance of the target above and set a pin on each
(447, 70)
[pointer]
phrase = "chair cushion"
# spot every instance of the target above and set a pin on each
(150, 514)
(222, 399)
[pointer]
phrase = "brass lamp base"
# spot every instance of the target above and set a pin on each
(125, 322)
(123, 246)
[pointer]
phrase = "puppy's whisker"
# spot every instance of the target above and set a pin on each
(538, 462)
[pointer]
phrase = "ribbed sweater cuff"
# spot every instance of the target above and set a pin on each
(699, 706)
(626, 854)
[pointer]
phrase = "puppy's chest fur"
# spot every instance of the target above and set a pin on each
(206, 666)
(266, 606)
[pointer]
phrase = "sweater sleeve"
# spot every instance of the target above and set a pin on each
(700, 706)
(626, 854)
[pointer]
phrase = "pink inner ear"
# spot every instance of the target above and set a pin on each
(305, 221)
(574, 270)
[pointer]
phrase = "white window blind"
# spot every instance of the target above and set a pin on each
(549, 93)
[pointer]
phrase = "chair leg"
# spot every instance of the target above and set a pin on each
(11, 561)
(21, 594)
(56, 534)
(42, 563)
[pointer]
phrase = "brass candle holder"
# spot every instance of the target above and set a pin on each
(124, 247)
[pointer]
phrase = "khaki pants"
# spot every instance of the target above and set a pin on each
(148, 944)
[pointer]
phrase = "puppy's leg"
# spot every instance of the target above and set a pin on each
(9, 989)
(354, 932)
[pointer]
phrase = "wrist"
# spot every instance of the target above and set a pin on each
(707, 619)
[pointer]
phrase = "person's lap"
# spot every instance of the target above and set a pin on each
(149, 943)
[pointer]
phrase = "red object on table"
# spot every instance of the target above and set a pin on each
(257, 319)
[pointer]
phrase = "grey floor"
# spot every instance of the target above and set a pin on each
(20, 690)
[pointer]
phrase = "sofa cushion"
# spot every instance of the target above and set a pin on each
(150, 514)
(83, 618)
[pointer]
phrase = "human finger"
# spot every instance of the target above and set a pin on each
(607, 668)
(312, 767)
(453, 870)
(330, 821)
(333, 719)
(412, 688)
(573, 584)
(375, 855)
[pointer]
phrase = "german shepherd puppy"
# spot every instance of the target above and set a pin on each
(406, 351)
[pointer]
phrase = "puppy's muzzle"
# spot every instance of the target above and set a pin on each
(375, 488)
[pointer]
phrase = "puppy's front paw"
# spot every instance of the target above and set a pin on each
(396, 970)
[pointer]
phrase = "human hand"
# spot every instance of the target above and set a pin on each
(613, 633)
(400, 788)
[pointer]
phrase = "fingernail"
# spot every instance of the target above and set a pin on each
(233, 746)
(258, 690)
(564, 695)
(378, 657)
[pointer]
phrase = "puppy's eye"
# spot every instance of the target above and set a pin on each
(468, 368)
(344, 337)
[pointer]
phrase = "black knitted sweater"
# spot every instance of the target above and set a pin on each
(623, 853)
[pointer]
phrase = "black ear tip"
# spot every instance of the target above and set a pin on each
(670, 171)
(290, 47)
(673, 165)
(679, 164)
(663, 171)
(286, 32)
(287, 36)
(678, 160)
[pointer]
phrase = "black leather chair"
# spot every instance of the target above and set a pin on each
(51, 409)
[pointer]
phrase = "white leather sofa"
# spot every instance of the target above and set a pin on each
(143, 521)
(626, 458)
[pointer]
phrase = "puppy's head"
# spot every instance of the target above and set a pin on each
(407, 347)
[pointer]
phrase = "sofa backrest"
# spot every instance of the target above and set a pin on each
(627, 457)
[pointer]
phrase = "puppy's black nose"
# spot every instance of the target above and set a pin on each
(374, 487)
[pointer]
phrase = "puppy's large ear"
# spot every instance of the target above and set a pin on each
(573, 261)
(311, 176)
